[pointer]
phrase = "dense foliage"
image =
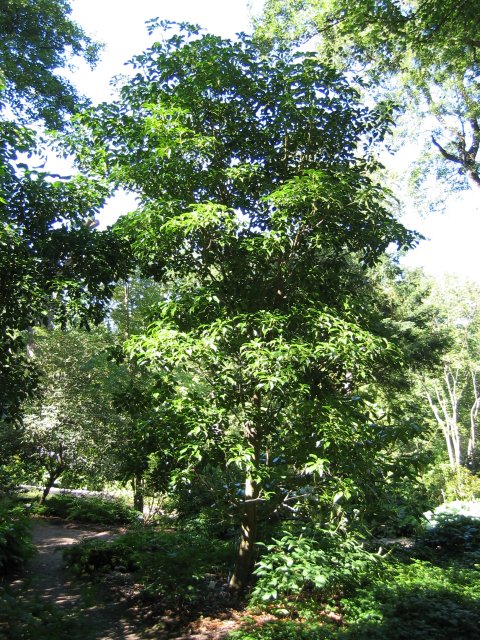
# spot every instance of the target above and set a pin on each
(423, 53)
(246, 168)
(15, 542)
(94, 509)
(34, 88)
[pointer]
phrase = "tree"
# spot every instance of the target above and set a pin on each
(54, 266)
(69, 427)
(452, 390)
(423, 52)
(29, 67)
(259, 209)
(142, 452)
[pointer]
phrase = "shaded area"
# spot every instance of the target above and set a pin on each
(46, 601)
(53, 604)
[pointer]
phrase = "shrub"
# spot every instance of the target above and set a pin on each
(170, 565)
(416, 601)
(88, 509)
(444, 483)
(23, 619)
(15, 537)
(313, 561)
(452, 534)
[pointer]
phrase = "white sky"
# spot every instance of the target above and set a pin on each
(453, 237)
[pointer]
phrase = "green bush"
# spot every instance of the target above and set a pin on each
(87, 509)
(416, 601)
(453, 535)
(15, 536)
(171, 566)
(445, 484)
(22, 619)
(313, 561)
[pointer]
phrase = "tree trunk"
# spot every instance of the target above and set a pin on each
(245, 561)
(52, 476)
(246, 552)
(138, 497)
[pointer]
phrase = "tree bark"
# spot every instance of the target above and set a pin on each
(138, 497)
(246, 551)
(245, 561)
(52, 476)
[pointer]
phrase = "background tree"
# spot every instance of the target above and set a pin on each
(452, 391)
(423, 53)
(53, 265)
(38, 39)
(69, 426)
(258, 207)
(140, 448)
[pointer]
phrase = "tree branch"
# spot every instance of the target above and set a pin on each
(445, 153)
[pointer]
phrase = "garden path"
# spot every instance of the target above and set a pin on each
(47, 581)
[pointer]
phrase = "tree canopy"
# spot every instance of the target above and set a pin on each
(38, 40)
(54, 266)
(424, 52)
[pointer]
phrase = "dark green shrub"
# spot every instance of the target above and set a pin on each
(90, 556)
(416, 601)
(453, 534)
(15, 536)
(88, 509)
(22, 619)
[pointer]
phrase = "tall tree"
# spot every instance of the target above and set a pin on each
(38, 39)
(257, 204)
(425, 53)
(53, 264)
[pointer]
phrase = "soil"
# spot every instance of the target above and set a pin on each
(109, 609)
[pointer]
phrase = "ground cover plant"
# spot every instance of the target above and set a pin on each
(174, 568)
(92, 509)
(35, 621)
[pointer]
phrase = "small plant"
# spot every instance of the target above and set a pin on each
(284, 630)
(15, 537)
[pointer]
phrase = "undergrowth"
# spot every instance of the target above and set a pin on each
(15, 536)
(174, 568)
(431, 592)
(90, 509)
(37, 620)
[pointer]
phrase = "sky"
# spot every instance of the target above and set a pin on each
(452, 238)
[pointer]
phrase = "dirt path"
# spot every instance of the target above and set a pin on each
(89, 609)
